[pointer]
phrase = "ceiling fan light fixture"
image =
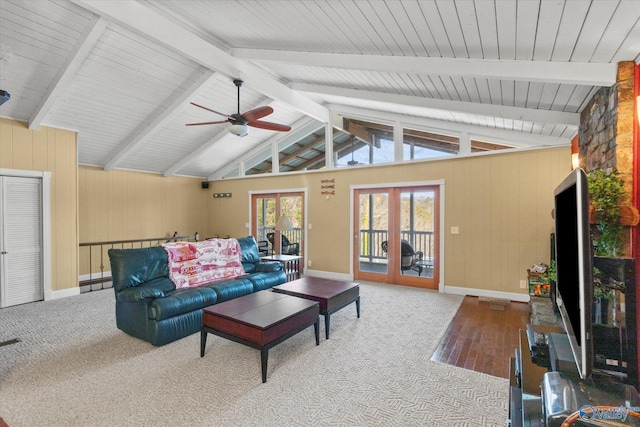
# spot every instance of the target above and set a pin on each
(4, 96)
(239, 130)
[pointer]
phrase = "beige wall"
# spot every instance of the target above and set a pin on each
(121, 205)
(502, 204)
(89, 204)
(52, 150)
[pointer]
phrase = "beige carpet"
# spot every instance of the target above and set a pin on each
(73, 367)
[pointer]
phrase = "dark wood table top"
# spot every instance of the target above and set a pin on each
(260, 309)
(316, 286)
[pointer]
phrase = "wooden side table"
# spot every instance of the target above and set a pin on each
(290, 264)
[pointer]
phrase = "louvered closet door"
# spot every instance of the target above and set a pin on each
(20, 240)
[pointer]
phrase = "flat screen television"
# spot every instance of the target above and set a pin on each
(574, 266)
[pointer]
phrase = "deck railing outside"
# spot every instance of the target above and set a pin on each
(294, 235)
(94, 257)
(371, 243)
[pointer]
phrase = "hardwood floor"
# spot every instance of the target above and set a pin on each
(482, 337)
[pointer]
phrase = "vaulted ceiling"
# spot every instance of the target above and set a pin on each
(123, 73)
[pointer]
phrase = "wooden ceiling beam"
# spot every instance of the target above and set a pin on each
(302, 149)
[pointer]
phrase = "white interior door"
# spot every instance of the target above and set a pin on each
(21, 229)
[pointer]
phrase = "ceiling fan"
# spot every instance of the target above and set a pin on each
(240, 122)
(353, 161)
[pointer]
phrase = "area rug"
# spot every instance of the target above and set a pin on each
(73, 367)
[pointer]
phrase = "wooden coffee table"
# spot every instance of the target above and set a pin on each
(260, 320)
(331, 294)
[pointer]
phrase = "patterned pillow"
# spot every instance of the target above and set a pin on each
(180, 251)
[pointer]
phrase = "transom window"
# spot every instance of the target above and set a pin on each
(358, 142)
(418, 144)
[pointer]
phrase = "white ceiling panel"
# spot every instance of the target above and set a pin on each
(35, 40)
(123, 83)
(123, 74)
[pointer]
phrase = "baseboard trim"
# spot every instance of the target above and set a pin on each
(63, 293)
(456, 290)
(486, 293)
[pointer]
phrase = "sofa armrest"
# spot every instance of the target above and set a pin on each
(268, 266)
(139, 293)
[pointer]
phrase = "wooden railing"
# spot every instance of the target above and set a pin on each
(94, 257)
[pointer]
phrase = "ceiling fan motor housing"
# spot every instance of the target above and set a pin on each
(237, 119)
(238, 125)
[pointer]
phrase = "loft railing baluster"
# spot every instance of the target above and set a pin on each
(130, 243)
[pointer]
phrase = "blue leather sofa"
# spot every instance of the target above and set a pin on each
(148, 305)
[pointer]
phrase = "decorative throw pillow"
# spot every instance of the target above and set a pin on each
(180, 251)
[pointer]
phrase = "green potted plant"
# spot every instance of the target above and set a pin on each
(551, 271)
(606, 190)
(602, 295)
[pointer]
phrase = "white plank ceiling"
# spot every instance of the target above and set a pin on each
(122, 73)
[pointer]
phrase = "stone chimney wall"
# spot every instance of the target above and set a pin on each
(606, 128)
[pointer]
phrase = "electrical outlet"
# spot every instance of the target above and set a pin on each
(523, 284)
(309, 263)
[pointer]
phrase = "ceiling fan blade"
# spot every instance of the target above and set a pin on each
(206, 123)
(270, 126)
(209, 109)
(257, 113)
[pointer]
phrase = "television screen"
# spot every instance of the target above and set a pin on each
(574, 266)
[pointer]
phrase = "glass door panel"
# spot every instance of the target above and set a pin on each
(291, 207)
(277, 223)
(264, 221)
(416, 229)
(372, 227)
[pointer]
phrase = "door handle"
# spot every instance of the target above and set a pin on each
(4, 252)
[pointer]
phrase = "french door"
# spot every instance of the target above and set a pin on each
(396, 236)
(268, 213)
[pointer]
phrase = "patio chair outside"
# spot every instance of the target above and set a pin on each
(287, 247)
(408, 257)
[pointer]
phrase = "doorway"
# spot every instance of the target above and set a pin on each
(21, 240)
(277, 221)
(397, 235)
